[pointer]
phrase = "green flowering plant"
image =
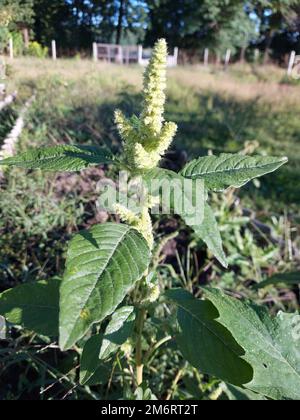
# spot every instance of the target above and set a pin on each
(148, 137)
(110, 289)
(35, 49)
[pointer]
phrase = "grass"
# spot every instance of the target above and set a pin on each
(253, 109)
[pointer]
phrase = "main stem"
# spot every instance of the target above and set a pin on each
(139, 353)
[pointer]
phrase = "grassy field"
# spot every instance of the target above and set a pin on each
(245, 109)
(214, 110)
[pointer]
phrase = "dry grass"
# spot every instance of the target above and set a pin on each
(240, 82)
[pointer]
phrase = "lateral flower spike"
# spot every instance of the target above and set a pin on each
(147, 137)
(141, 223)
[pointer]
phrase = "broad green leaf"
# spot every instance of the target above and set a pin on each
(59, 158)
(206, 228)
(239, 394)
(160, 174)
(117, 331)
(184, 197)
(280, 279)
(34, 306)
(205, 343)
(230, 170)
(272, 345)
(165, 184)
(102, 265)
(209, 232)
(92, 370)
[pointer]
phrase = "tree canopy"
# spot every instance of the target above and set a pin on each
(273, 26)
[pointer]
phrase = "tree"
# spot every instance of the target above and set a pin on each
(121, 14)
(274, 18)
(54, 20)
(122, 20)
(201, 23)
(77, 23)
(16, 12)
(15, 15)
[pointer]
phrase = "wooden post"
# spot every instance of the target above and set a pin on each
(243, 55)
(53, 46)
(25, 32)
(140, 54)
(206, 57)
(256, 55)
(11, 48)
(95, 51)
(227, 58)
(291, 63)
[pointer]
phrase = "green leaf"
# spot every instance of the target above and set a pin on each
(209, 232)
(160, 174)
(205, 343)
(92, 370)
(272, 345)
(238, 394)
(144, 393)
(230, 170)
(103, 264)
(159, 181)
(117, 331)
(279, 279)
(59, 158)
(34, 306)
(181, 194)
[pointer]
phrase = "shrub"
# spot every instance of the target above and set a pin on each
(37, 50)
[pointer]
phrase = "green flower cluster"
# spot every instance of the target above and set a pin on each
(147, 137)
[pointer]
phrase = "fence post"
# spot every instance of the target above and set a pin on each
(140, 54)
(11, 48)
(176, 52)
(291, 63)
(53, 46)
(256, 55)
(227, 58)
(206, 56)
(95, 51)
(127, 55)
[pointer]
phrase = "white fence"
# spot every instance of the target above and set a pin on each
(128, 54)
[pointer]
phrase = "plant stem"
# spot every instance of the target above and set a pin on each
(174, 383)
(139, 353)
(153, 349)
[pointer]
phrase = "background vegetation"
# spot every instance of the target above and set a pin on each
(270, 25)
